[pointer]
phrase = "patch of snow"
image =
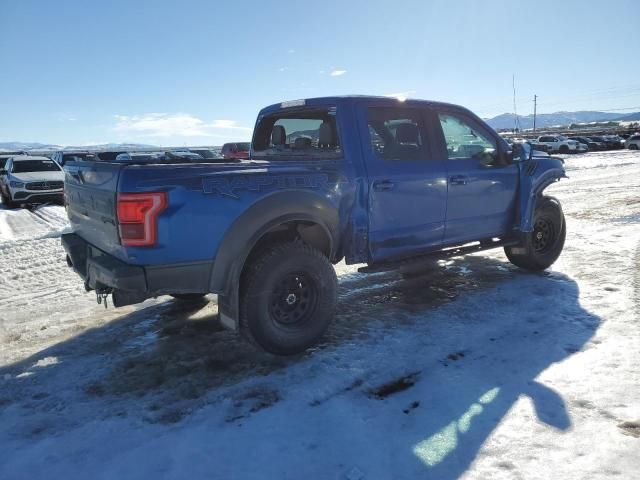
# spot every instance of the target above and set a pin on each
(473, 370)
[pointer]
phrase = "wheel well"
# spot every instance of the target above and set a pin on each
(311, 233)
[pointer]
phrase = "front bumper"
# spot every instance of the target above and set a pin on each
(132, 283)
(29, 196)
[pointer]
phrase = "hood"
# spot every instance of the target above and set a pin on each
(27, 177)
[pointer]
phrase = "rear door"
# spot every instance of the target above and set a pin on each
(90, 196)
(482, 186)
(407, 185)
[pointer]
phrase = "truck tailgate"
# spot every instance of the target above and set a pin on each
(90, 194)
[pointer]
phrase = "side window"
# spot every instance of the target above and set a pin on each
(397, 133)
(466, 141)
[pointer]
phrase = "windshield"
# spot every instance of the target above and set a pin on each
(24, 166)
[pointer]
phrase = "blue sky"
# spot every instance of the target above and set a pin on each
(197, 72)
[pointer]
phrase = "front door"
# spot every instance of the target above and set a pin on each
(482, 186)
(407, 187)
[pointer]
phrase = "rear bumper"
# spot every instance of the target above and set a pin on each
(101, 271)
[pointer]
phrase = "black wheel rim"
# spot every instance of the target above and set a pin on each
(544, 235)
(293, 299)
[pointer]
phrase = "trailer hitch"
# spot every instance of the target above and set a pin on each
(102, 294)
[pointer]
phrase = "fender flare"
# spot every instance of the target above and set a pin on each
(531, 190)
(250, 227)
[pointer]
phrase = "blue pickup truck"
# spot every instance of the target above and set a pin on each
(367, 180)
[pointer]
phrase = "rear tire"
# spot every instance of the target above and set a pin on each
(542, 246)
(633, 147)
(564, 149)
(288, 298)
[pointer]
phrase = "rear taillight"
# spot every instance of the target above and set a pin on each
(138, 217)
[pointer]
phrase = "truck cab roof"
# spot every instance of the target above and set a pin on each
(350, 99)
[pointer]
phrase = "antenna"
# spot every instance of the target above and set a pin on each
(515, 112)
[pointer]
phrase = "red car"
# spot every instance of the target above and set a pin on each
(236, 151)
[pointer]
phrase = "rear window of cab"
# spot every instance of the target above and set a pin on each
(309, 133)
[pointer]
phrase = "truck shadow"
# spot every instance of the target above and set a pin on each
(163, 362)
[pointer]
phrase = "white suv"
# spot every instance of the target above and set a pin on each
(560, 144)
(633, 142)
(31, 179)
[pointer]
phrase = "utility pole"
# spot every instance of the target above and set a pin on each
(535, 105)
(516, 121)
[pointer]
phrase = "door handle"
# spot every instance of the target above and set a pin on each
(383, 185)
(458, 180)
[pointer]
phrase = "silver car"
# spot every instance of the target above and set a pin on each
(31, 179)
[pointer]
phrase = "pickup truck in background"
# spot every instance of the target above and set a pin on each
(559, 144)
(367, 180)
(236, 151)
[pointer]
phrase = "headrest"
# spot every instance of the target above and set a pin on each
(302, 142)
(278, 135)
(325, 135)
(407, 133)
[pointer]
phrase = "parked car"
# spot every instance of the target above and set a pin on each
(592, 145)
(609, 142)
(373, 180)
(207, 153)
(236, 151)
(534, 144)
(614, 141)
(559, 144)
(139, 157)
(633, 142)
(62, 157)
(31, 179)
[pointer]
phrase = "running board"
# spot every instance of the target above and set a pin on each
(438, 255)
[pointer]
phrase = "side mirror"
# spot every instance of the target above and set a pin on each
(516, 154)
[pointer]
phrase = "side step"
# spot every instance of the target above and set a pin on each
(438, 255)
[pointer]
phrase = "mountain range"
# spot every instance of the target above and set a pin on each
(506, 120)
(47, 146)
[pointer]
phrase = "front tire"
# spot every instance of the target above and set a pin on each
(288, 298)
(541, 247)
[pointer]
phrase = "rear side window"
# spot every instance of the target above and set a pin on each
(309, 133)
(397, 133)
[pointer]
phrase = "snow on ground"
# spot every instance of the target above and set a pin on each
(473, 370)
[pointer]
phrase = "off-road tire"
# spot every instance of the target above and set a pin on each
(288, 298)
(541, 247)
